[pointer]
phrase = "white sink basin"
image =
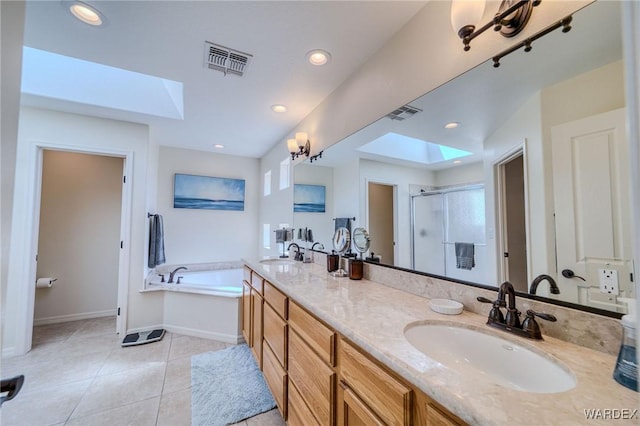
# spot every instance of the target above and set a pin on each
(470, 351)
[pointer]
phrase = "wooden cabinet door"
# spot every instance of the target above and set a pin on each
(256, 326)
(246, 312)
(354, 412)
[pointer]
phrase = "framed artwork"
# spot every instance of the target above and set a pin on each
(210, 193)
(309, 198)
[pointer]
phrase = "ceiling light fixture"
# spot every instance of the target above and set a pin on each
(451, 125)
(301, 146)
(218, 146)
(86, 13)
(278, 108)
(457, 162)
(318, 57)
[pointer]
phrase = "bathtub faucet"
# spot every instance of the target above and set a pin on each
(172, 273)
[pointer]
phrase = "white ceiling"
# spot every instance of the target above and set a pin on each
(166, 39)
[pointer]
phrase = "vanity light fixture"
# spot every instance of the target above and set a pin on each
(301, 146)
(511, 18)
(279, 108)
(86, 13)
(318, 57)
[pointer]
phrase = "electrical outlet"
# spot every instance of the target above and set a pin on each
(609, 281)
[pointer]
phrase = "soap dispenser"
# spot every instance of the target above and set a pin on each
(626, 371)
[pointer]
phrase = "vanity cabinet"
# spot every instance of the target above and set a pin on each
(318, 377)
(275, 344)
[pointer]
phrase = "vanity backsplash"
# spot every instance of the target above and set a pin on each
(589, 330)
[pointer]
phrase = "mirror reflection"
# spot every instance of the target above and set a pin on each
(501, 174)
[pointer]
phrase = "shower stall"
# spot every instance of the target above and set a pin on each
(442, 218)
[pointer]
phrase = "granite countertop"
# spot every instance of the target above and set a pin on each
(374, 317)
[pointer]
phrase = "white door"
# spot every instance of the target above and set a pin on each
(591, 195)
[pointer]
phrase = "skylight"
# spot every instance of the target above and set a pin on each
(64, 78)
(406, 148)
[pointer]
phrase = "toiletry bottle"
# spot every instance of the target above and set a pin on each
(626, 371)
(355, 268)
(332, 261)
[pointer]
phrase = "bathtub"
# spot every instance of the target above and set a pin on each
(218, 282)
(206, 303)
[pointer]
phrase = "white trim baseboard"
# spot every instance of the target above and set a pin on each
(74, 317)
(185, 331)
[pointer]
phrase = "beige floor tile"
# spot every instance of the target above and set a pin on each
(40, 352)
(97, 327)
(55, 332)
(175, 409)
(178, 376)
(182, 346)
(115, 390)
(140, 413)
(130, 357)
(45, 407)
(270, 418)
(55, 373)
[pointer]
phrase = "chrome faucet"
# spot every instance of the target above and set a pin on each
(511, 322)
(172, 273)
(553, 287)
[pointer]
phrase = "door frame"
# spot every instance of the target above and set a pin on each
(500, 206)
(25, 310)
(393, 185)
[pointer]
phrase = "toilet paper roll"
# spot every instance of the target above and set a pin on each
(45, 282)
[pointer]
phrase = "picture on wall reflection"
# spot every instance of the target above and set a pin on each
(308, 198)
(210, 193)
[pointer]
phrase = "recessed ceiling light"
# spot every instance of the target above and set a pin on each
(457, 162)
(86, 13)
(279, 108)
(218, 146)
(451, 125)
(318, 57)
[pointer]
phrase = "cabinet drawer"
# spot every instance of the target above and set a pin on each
(437, 417)
(298, 413)
(313, 378)
(276, 379)
(275, 334)
(355, 412)
(246, 273)
(276, 299)
(256, 281)
(385, 395)
(319, 336)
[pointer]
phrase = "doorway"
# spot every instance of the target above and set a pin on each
(512, 220)
(81, 199)
(382, 221)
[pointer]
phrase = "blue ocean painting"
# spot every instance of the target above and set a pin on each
(205, 192)
(308, 198)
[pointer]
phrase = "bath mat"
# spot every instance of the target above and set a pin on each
(227, 387)
(143, 337)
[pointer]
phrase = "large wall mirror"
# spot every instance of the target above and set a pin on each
(533, 180)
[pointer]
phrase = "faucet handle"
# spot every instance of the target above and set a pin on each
(161, 277)
(531, 313)
(531, 327)
(495, 315)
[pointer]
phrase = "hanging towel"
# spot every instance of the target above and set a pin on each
(281, 236)
(343, 222)
(309, 235)
(156, 241)
(465, 256)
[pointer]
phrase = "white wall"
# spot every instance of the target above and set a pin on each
(43, 128)
(200, 236)
(11, 36)
(321, 224)
(461, 175)
(79, 239)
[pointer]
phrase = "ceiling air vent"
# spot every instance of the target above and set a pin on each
(403, 112)
(229, 61)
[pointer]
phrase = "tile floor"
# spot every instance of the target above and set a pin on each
(77, 374)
